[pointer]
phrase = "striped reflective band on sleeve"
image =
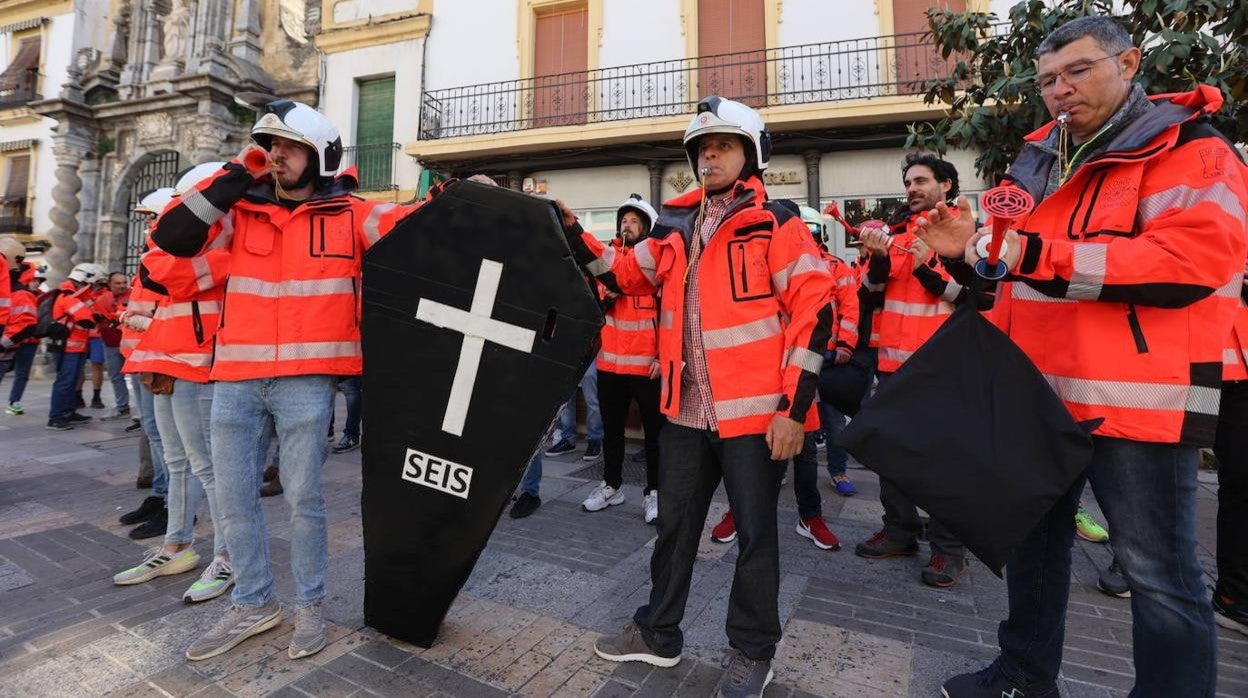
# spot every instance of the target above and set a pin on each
(1183, 196)
(1021, 291)
(804, 358)
(645, 260)
(173, 310)
(16, 310)
(1162, 397)
(197, 359)
(737, 335)
(293, 351)
(1232, 288)
(203, 209)
(846, 281)
(804, 263)
(952, 289)
(203, 272)
(291, 287)
(626, 360)
(372, 222)
(849, 325)
(893, 354)
(1088, 276)
(742, 407)
(4, 302)
(602, 265)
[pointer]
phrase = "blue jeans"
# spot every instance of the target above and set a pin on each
(243, 415)
(184, 420)
(532, 481)
(113, 361)
(1148, 494)
(832, 422)
(353, 390)
(155, 447)
(23, 358)
(69, 368)
(593, 416)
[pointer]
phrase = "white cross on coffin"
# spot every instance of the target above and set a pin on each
(477, 327)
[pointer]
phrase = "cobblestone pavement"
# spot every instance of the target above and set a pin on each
(525, 624)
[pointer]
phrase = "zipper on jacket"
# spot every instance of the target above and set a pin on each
(355, 302)
(671, 371)
(1133, 319)
(225, 294)
(745, 284)
(197, 321)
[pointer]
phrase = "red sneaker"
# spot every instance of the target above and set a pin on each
(817, 531)
(726, 530)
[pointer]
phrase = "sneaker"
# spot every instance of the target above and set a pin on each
(630, 646)
(561, 447)
(639, 456)
(844, 486)
(1087, 527)
(1230, 615)
(119, 413)
(593, 451)
(726, 530)
(816, 529)
(75, 418)
(59, 425)
(79, 403)
(348, 443)
(879, 546)
(603, 496)
(215, 580)
(271, 473)
(238, 624)
(525, 505)
(154, 526)
(821, 442)
(15, 408)
(309, 637)
(993, 683)
(745, 677)
(150, 507)
(272, 488)
(134, 425)
(1112, 583)
(97, 403)
(650, 503)
(158, 563)
(943, 571)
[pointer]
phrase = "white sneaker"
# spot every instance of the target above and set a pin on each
(603, 496)
(216, 579)
(651, 504)
(158, 563)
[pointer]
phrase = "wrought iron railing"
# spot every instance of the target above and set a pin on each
(20, 94)
(10, 224)
(374, 164)
(824, 72)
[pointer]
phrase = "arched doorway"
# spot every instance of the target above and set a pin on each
(161, 170)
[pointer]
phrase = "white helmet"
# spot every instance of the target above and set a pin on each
(88, 273)
(299, 122)
(154, 201)
(719, 115)
(195, 175)
(634, 202)
(12, 250)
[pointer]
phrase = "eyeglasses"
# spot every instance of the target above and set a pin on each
(1072, 75)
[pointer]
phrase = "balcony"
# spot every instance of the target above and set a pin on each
(374, 165)
(10, 224)
(838, 71)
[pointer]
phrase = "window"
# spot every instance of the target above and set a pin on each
(599, 221)
(16, 184)
(373, 152)
(19, 81)
(560, 61)
(735, 32)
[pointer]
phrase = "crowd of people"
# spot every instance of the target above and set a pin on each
(744, 342)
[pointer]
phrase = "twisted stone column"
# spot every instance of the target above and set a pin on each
(64, 216)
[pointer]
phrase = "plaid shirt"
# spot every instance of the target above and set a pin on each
(697, 406)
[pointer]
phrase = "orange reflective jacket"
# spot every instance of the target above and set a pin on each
(292, 298)
(766, 305)
(1125, 291)
(23, 316)
(1235, 354)
(845, 295)
(179, 339)
(74, 308)
(630, 337)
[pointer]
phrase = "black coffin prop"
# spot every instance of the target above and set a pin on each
(971, 432)
(453, 421)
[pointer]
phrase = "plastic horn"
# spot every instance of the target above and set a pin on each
(1004, 204)
(257, 160)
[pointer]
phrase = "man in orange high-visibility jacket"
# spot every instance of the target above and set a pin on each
(289, 328)
(17, 342)
(918, 297)
(73, 307)
(744, 320)
(1117, 286)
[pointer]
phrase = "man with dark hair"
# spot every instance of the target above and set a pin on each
(1136, 264)
(112, 304)
(918, 297)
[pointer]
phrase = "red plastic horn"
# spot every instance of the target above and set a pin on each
(1004, 204)
(256, 160)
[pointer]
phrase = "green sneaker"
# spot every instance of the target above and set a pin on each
(158, 563)
(1088, 528)
(216, 579)
(15, 408)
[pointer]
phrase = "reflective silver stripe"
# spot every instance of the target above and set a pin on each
(1022, 291)
(602, 265)
(76, 307)
(1134, 395)
(846, 281)
(665, 319)
(952, 289)
(741, 407)
(627, 360)
(291, 287)
(897, 355)
(629, 325)
(744, 333)
(141, 307)
(4, 302)
(874, 288)
(849, 325)
(1232, 288)
(201, 207)
(293, 351)
(372, 223)
(15, 310)
(226, 236)
(173, 310)
(918, 309)
(203, 273)
(197, 359)
(801, 265)
(1184, 196)
(806, 359)
(645, 261)
(1230, 357)
(1088, 276)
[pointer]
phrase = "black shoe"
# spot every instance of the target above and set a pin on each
(525, 505)
(59, 425)
(75, 418)
(593, 450)
(348, 443)
(150, 507)
(272, 488)
(1112, 583)
(79, 402)
(992, 683)
(97, 403)
(560, 448)
(153, 527)
(134, 425)
(270, 473)
(1230, 615)
(639, 457)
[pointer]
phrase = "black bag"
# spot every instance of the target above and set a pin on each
(45, 324)
(971, 432)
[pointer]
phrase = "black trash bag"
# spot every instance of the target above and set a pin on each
(843, 386)
(971, 432)
(444, 453)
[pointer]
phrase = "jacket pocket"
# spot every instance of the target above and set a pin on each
(332, 234)
(258, 236)
(749, 273)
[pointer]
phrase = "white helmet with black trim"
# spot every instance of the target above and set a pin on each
(155, 201)
(634, 202)
(195, 175)
(719, 115)
(12, 249)
(88, 273)
(301, 123)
